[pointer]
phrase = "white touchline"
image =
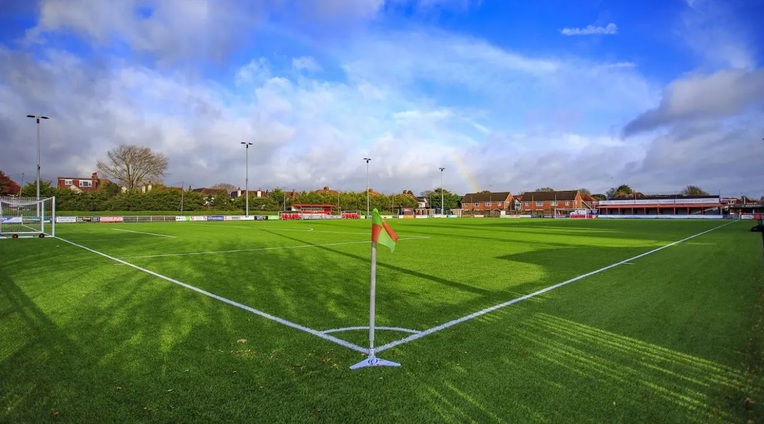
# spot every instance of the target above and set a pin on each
(141, 232)
(231, 302)
(448, 324)
(301, 246)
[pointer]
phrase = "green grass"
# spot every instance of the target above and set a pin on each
(674, 336)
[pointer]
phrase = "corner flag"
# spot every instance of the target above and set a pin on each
(381, 232)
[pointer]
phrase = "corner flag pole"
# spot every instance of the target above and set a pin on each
(372, 360)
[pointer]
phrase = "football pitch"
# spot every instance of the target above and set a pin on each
(493, 320)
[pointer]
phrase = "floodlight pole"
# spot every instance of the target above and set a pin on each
(367, 186)
(37, 118)
(246, 176)
(442, 207)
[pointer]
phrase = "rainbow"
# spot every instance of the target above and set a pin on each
(465, 172)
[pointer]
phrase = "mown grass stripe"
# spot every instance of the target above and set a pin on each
(534, 294)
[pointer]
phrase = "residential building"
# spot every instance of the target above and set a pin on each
(81, 184)
(554, 203)
(488, 203)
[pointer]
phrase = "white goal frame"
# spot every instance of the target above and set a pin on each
(27, 217)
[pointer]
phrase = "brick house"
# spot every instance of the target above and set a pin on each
(488, 203)
(554, 202)
(80, 184)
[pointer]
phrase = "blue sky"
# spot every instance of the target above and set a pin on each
(505, 95)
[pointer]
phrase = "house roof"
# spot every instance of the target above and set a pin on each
(498, 196)
(327, 190)
(544, 196)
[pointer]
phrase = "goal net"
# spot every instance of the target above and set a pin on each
(27, 217)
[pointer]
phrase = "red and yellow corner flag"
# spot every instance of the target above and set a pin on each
(381, 232)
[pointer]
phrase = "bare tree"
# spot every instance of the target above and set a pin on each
(131, 166)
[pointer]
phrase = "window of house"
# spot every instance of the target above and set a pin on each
(488, 203)
(554, 203)
(86, 183)
(498, 204)
(567, 203)
(527, 204)
(539, 204)
(476, 204)
(68, 182)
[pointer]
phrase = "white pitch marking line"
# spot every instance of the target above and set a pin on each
(337, 330)
(302, 246)
(530, 295)
(141, 232)
(231, 302)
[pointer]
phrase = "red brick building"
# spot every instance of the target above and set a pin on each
(552, 203)
(80, 184)
(487, 203)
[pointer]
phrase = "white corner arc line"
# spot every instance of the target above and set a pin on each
(402, 330)
(230, 302)
(143, 232)
(451, 323)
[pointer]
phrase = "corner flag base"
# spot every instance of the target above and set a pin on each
(373, 361)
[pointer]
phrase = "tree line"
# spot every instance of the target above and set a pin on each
(132, 167)
(161, 198)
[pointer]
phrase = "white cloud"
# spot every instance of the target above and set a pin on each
(306, 63)
(333, 10)
(256, 71)
(712, 31)
(172, 30)
(715, 96)
(609, 29)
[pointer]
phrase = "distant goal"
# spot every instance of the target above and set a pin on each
(27, 217)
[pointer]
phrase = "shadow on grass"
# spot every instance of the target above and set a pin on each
(546, 368)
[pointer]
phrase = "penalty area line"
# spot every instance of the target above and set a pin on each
(229, 301)
(490, 309)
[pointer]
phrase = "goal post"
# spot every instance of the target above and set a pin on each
(27, 217)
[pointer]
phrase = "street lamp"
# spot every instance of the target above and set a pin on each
(442, 207)
(246, 176)
(367, 185)
(37, 118)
